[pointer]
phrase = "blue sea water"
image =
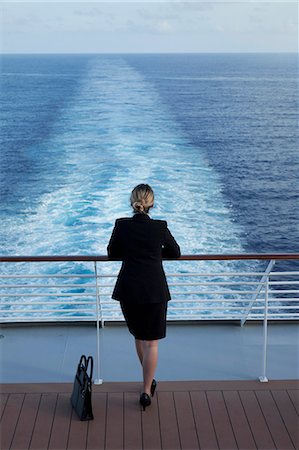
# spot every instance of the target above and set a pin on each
(216, 135)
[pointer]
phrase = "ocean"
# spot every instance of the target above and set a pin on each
(215, 135)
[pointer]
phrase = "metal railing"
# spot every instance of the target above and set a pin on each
(77, 289)
(71, 291)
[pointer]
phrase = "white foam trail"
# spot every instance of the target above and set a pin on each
(115, 134)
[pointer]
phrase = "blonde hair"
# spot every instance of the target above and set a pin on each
(142, 198)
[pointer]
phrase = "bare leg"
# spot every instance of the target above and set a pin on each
(139, 349)
(147, 352)
(149, 363)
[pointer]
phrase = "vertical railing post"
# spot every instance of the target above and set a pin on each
(263, 378)
(98, 380)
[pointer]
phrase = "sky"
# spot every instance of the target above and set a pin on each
(148, 27)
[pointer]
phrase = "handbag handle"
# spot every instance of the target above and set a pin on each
(89, 360)
(82, 362)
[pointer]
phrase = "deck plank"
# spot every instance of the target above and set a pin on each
(168, 421)
(279, 432)
(256, 421)
(223, 428)
(203, 420)
(132, 422)
(166, 386)
(61, 423)
(3, 400)
(294, 396)
(288, 414)
(239, 422)
(10, 419)
(115, 422)
(43, 425)
(186, 423)
(26, 422)
(151, 438)
(78, 433)
(97, 427)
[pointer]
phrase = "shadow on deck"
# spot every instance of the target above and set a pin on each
(184, 415)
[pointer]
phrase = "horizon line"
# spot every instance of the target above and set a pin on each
(149, 53)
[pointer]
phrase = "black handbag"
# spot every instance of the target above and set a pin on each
(81, 395)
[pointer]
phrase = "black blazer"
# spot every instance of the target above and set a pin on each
(141, 243)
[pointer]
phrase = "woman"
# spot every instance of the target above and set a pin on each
(141, 287)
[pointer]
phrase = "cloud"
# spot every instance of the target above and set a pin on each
(127, 23)
(164, 26)
(196, 6)
(87, 12)
(220, 28)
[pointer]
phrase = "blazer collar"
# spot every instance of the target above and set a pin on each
(141, 216)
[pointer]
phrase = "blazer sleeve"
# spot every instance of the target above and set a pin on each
(170, 248)
(114, 248)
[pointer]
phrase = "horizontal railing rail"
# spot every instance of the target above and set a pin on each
(203, 257)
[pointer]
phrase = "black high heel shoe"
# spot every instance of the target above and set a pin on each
(145, 400)
(153, 387)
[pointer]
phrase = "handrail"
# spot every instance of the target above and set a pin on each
(203, 257)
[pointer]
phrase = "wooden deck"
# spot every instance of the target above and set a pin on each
(184, 415)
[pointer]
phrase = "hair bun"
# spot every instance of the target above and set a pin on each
(138, 206)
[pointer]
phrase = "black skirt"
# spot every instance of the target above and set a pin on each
(146, 321)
